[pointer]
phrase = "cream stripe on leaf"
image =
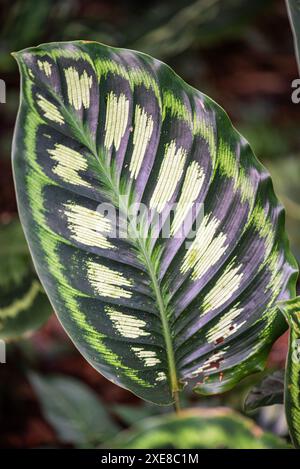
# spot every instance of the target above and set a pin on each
(224, 288)
(143, 128)
(169, 175)
(79, 87)
(211, 363)
(108, 282)
(206, 249)
(148, 311)
(149, 357)
(161, 376)
(127, 325)
(49, 109)
(87, 226)
(45, 67)
(117, 111)
(69, 163)
(226, 326)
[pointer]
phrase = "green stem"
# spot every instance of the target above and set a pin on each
(165, 324)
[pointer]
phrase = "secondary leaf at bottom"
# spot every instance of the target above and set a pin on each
(197, 428)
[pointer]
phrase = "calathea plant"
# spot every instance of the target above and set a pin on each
(189, 291)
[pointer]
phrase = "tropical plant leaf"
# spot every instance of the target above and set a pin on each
(24, 306)
(291, 311)
(293, 7)
(180, 25)
(268, 392)
(99, 125)
(196, 429)
(74, 410)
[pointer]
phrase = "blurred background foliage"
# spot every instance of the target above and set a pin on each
(24, 306)
(240, 52)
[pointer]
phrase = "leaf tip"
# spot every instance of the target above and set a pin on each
(16, 56)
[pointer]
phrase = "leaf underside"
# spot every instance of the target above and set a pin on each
(150, 313)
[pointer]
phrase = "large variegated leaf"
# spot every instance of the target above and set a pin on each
(149, 311)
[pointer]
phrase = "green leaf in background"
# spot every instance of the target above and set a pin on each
(29, 19)
(151, 311)
(268, 392)
(168, 28)
(24, 307)
(180, 25)
(74, 411)
(130, 414)
(293, 7)
(291, 310)
(198, 428)
(285, 173)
